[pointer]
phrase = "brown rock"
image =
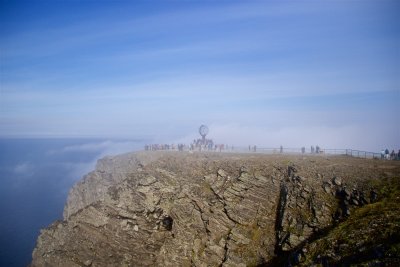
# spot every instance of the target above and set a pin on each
(182, 209)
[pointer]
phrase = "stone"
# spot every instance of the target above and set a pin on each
(337, 181)
(291, 170)
(88, 263)
(148, 180)
(239, 237)
(327, 188)
(221, 173)
(301, 178)
(243, 169)
(354, 202)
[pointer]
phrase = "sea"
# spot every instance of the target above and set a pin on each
(35, 178)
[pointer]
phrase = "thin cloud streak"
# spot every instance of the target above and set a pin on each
(160, 71)
(67, 37)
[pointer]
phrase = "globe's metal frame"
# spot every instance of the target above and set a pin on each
(203, 131)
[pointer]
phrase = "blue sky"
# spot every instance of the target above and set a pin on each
(264, 72)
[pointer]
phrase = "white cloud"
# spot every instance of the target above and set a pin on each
(88, 147)
(108, 147)
(101, 149)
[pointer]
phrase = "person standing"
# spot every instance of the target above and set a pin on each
(393, 155)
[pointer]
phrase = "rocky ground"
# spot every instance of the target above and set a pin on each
(216, 209)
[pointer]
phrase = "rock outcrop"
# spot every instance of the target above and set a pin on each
(205, 209)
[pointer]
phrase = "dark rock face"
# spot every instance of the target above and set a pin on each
(370, 236)
(202, 209)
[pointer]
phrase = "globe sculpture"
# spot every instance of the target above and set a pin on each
(203, 130)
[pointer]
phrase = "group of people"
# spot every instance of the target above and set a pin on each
(156, 147)
(208, 145)
(385, 154)
(317, 150)
(202, 145)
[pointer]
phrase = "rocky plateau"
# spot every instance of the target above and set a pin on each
(163, 208)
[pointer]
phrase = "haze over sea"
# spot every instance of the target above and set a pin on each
(35, 177)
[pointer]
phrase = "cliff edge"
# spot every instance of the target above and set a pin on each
(210, 209)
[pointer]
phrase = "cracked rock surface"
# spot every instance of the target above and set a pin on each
(203, 209)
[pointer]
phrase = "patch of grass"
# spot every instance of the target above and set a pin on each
(256, 234)
(371, 233)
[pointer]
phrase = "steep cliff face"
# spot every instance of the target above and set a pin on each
(200, 209)
(109, 171)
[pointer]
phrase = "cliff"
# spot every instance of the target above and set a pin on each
(210, 209)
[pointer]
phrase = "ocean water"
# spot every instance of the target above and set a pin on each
(35, 177)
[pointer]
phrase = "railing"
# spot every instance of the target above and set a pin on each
(291, 150)
(363, 154)
(328, 151)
